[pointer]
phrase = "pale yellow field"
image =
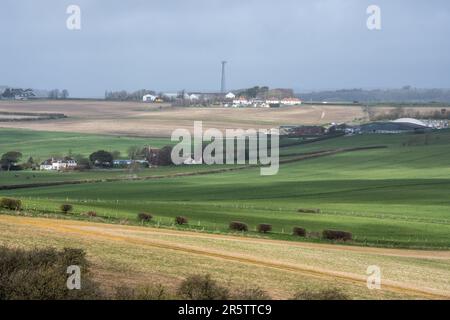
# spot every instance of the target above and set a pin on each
(132, 118)
(136, 256)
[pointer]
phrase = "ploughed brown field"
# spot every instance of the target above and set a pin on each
(140, 119)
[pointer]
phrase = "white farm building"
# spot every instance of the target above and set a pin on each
(149, 98)
(58, 164)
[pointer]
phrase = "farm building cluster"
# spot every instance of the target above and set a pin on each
(260, 103)
(62, 164)
(262, 97)
(149, 158)
(403, 125)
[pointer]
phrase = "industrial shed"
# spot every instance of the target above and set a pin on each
(392, 127)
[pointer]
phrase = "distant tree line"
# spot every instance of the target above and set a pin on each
(55, 94)
(12, 93)
(265, 92)
(400, 112)
(405, 94)
(255, 92)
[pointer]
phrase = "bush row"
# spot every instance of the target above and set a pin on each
(296, 231)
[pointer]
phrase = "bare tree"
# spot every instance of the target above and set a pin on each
(65, 94)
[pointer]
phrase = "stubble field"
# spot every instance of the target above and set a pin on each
(137, 256)
(159, 120)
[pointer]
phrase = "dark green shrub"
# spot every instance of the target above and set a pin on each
(145, 217)
(300, 232)
(181, 220)
(251, 294)
(202, 287)
(238, 226)
(41, 274)
(337, 235)
(66, 208)
(11, 204)
(325, 294)
(264, 228)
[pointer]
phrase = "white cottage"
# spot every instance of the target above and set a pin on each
(58, 164)
(230, 96)
(149, 98)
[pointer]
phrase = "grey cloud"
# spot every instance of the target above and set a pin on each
(170, 45)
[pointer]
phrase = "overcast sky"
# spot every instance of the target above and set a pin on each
(178, 44)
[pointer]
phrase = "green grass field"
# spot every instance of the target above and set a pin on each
(396, 196)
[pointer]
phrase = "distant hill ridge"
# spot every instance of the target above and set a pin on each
(405, 94)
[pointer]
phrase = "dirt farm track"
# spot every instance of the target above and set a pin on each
(157, 120)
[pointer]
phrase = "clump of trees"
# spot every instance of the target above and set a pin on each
(255, 92)
(165, 157)
(102, 159)
(57, 94)
(11, 93)
(10, 161)
(83, 163)
(11, 204)
(124, 95)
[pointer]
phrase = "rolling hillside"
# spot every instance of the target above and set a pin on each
(386, 197)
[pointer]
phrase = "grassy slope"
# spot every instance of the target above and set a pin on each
(396, 196)
(140, 256)
(28, 177)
